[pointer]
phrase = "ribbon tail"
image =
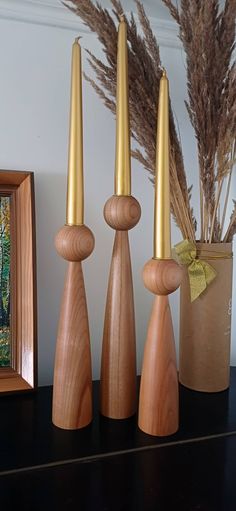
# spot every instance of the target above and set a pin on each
(197, 280)
(210, 272)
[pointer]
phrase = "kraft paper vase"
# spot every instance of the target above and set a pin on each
(205, 324)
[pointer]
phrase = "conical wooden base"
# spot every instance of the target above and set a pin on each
(158, 402)
(72, 391)
(118, 368)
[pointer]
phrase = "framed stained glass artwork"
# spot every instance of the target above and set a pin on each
(18, 310)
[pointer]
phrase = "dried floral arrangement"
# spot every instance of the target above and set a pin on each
(208, 36)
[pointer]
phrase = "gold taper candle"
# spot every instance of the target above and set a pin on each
(123, 164)
(75, 188)
(162, 236)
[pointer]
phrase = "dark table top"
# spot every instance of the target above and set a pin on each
(112, 465)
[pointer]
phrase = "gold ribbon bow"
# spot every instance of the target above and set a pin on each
(200, 273)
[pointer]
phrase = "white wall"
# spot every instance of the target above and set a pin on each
(34, 106)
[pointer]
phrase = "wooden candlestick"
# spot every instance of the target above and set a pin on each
(72, 388)
(118, 367)
(158, 400)
(121, 212)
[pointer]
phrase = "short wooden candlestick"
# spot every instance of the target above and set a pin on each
(118, 367)
(72, 389)
(159, 398)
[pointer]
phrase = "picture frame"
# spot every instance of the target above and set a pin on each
(21, 373)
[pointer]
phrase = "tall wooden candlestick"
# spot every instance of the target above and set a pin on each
(158, 401)
(121, 212)
(72, 389)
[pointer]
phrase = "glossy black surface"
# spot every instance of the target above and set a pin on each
(31, 439)
(199, 476)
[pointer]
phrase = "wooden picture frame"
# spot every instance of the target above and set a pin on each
(22, 372)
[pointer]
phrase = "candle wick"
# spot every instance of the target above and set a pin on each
(78, 38)
(163, 71)
(122, 16)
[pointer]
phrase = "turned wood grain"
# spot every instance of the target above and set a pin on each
(72, 389)
(162, 276)
(158, 401)
(74, 242)
(122, 212)
(118, 367)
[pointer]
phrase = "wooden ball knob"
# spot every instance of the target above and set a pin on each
(162, 276)
(74, 242)
(121, 212)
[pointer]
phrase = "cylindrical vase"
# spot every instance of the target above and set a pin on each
(205, 324)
